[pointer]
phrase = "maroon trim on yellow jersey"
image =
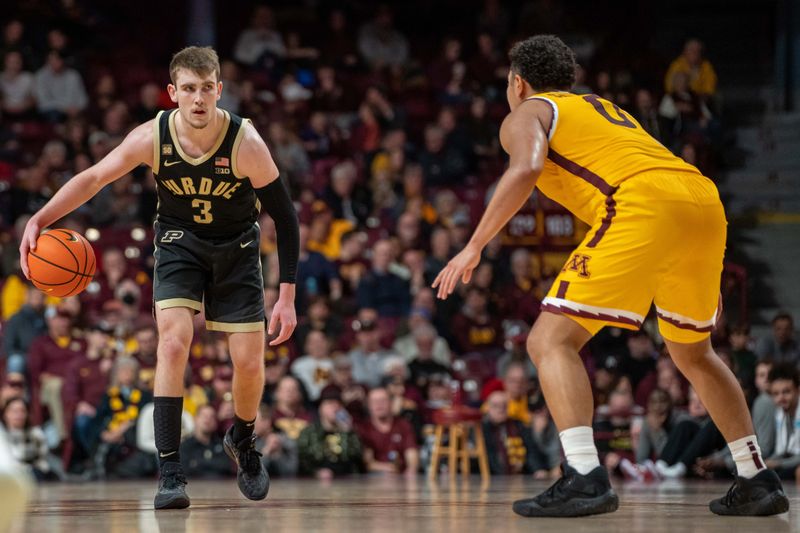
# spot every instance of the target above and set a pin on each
(602, 185)
(582, 172)
(611, 211)
(561, 310)
(683, 325)
(562, 289)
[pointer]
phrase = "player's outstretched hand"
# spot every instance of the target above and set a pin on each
(459, 267)
(284, 314)
(28, 244)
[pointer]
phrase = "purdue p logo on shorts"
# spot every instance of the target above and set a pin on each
(172, 235)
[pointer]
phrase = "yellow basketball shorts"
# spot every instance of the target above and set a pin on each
(660, 238)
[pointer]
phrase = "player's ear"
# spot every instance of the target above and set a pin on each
(173, 93)
(219, 90)
(519, 86)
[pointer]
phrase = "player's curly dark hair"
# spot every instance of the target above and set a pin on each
(544, 61)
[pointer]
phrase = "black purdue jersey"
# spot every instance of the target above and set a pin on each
(205, 195)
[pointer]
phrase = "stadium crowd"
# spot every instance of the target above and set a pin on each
(389, 157)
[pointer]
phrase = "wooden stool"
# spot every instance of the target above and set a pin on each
(459, 420)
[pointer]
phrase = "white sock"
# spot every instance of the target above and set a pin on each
(747, 454)
(578, 443)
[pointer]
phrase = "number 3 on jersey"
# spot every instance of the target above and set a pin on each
(205, 216)
(623, 119)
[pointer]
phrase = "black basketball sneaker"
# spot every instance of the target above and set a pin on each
(252, 477)
(762, 495)
(172, 488)
(573, 495)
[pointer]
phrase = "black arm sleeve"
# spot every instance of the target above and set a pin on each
(276, 202)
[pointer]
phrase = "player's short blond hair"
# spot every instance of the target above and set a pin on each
(199, 59)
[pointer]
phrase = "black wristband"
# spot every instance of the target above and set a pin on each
(276, 202)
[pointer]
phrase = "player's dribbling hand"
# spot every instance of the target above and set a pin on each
(28, 244)
(459, 267)
(283, 313)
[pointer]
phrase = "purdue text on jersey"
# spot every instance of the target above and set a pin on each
(203, 194)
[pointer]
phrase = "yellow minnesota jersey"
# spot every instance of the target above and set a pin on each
(658, 226)
(594, 147)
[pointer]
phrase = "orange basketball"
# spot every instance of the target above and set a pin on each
(62, 264)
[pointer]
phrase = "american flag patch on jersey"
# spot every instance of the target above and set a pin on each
(222, 162)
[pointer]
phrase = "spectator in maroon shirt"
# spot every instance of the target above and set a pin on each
(113, 269)
(474, 327)
(389, 442)
(405, 398)
(289, 415)
(366, 134)
(519, 295)
(49, 363)
(88, 382)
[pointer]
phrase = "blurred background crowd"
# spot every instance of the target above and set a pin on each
(386, 134)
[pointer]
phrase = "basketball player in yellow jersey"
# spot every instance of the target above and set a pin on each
(658, 235)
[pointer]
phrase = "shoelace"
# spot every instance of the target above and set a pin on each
(556, 487)
(728, 499)
(175, 480)
(249, 457)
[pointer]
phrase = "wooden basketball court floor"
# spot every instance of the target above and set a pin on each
(382, 504)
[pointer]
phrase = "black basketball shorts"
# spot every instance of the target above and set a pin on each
(222, 278)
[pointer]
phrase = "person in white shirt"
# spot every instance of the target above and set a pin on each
(15, 484)
(380, 43)
(316, 368)
(422, 337)
(16, 87)
(784, 385)
(260, 39)
(60, 92)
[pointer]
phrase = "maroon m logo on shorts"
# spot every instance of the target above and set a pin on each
(579, 263)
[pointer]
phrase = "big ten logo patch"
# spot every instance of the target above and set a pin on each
(222, 165)
(172, 235)
(166, 149)
(579, 263)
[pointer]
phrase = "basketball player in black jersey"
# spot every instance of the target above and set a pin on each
(213, 171)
